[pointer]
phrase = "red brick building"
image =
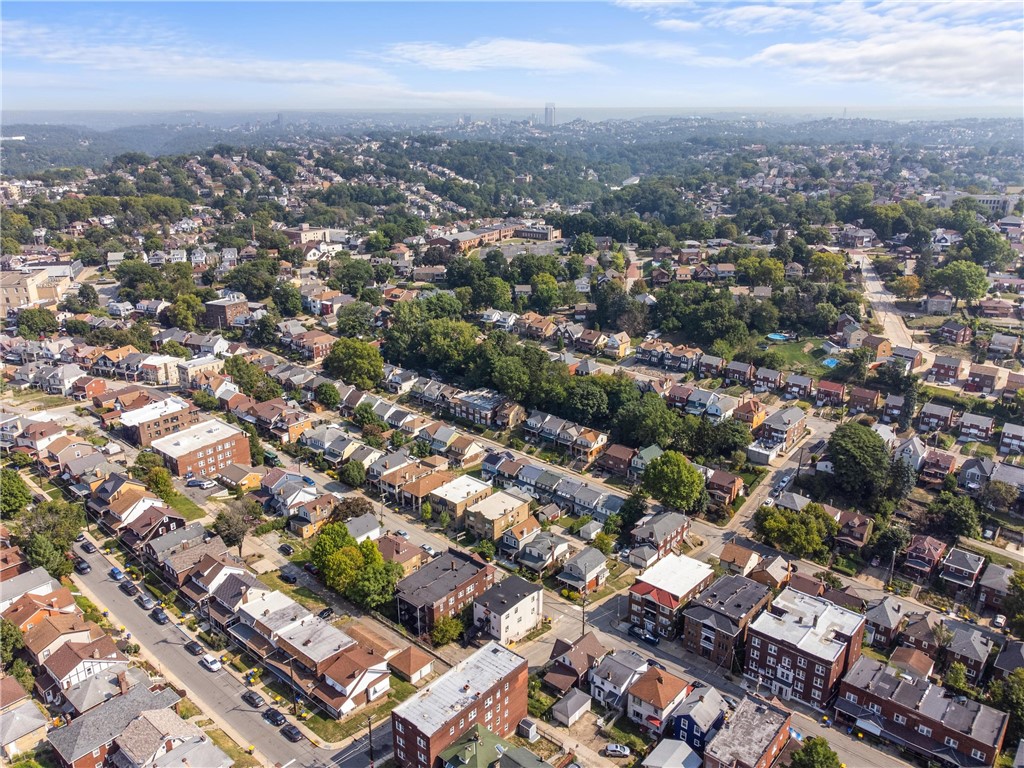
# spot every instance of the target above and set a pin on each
(489, 689)
(158, 419)
(204, 449)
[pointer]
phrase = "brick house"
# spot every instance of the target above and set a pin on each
(660, 592)
(830, 393)
(960, 569)
(784, 427)
(893, 407)
(947, 370)
(723, 487)
(754, 737)
(881, 346)
(917, 715)
(933, 417)
(976, 427)
(884, 620)
(442, 587)
(709, 366)
(1011, 440)
(922, 556)
(617, 459)
(738, 372)
(936, 467)
(767, 379)
(981, 378)
(157, 419)
(204, 449)
(864, 400)
(799, 387)
(955, 332)
(715, 623)
(971, 648)
(994, 585)
(664, 533)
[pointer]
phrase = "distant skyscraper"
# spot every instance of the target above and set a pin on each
(549, 114)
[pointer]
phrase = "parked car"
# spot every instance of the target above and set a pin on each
(211, 662)
(116, 573)
(326, 613)
(286, 549)
(617, 750)
(88, 547)
(655, 663)
(999, 621)
(311, 569)
(429, 550)
(82, 567)
(643, 635)
(160, 616)
(253, 699)
(145, 602)
(198, 483)
(288, 578)
(308, 480)
(274, 717)
(80, 536)
(292, 733)
(403, 534)
(194, 647)
(129, 588)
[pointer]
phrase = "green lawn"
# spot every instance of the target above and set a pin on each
(332, 730)
(238, 754)
(304, 596)
(796, 359)
(188, 508)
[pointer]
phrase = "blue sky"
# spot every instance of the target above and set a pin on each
(960, 55)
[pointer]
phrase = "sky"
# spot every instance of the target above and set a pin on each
(966, 56)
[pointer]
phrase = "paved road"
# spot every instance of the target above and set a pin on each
(218, 694)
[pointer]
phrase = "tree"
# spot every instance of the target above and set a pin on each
(673, 480)
(11, 641)
(184, 312)
(444, 519)
(257, 454)
(327, 395)
(645, 422)
(33, 323)
(144, 462)
(426, 512)
(14, 494)
(803, 534)
(964, 280)
(205, 401)
(956, 678)
(374, 586)
(827, 267)
(859, 459)
(585, 243)
(88, 296)
(21, 672)
(57, 520)
(902, 479)
(998, 495)
(232, 526)
(159, 481)
(174, 349)
(486, 549)
(1008, 696)
(906, 287)
(41, 553)
(354, 320)
(355, 362)
(352, 474)
(958, 515)
(604, 543)
(815, 752)
(446, 629)
(892, 539)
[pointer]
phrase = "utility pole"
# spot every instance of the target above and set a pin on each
(583, 616)
(369, 724)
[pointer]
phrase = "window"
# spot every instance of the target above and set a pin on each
(875, 708)
(451, 731)
(977, 754)
(950, 742)
(472, 715)
(696, 743)
(851, 697)
(756, 642)
(924, 730)
(95, 753)
(801, 661)
(900, 719)
(817, 682)
(815, 694)
(401, 741)
(772, 648)
(819, 669)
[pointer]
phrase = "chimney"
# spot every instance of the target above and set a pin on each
(96, 653)
(122, 681)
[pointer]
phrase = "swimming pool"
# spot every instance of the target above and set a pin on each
(830, 362)
(777, 336)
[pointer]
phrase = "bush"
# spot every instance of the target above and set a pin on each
(277, 524)
(215, 640)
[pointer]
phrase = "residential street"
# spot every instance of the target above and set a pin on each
(217, 694)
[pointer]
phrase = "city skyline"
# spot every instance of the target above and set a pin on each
(964, 57)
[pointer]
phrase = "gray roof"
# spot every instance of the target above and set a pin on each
(180, 562)
(587, 559)
(970, 643)
(97, 689)
(508, 592)
(727, 602)
(968, 561)
(660, 527)
(996, 577)
(932, 702)
(794, 501)
(619, 668)
(703, 706)
(363, 525)
(21, 721)
(1011, 656)
(438, 578)
(671, 753)
(887, 612)
(571, 703)
(748, 733)
(101, 725)
(170, 541)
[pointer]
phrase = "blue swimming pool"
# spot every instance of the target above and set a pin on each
(777, 336)
(830, 362)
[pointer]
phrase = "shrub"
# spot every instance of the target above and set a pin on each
(277, 524)
(215, 640)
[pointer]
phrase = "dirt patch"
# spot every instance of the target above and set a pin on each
(587, 732)
(806, 348)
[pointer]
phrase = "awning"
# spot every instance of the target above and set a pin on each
(652, 720)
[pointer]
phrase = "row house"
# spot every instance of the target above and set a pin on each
(830, 393)
(935, 418)
(715, 622)
(864, 400)
(661, 592)
(947, 370)
(981, 378)
(799, 387)
(768, 379)
(976, 427)
(737, 372)
(919, 716)
(1011, 439)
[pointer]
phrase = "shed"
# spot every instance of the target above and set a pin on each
(412, 664)
(589, 531)
(571, 707)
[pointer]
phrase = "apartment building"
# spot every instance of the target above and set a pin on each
(158, 419)
(802, 646)
(753, 737)
(203, 450)
(660, 592)
(715, 623)
(489, 688)
(510, 609)
(442, 587)
(490, 517)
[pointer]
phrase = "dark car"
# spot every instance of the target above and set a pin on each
(311, 569)
(82, 567)
(274, 717)
(288, 578)
(253, 699)
(88, 547)
(642, 634)
(326, 613)
(286, 549)
(129, 588)
(160, 616)
(292, 733)
(80, 536)
(655, 663)
(193, 647)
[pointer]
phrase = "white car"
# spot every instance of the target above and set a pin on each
(617, 750)
(429, 549)
(999, 621)
(211, 662)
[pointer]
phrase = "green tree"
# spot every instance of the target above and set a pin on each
(57, 520)
(1008, 695)
(11, 641)
(426, 512)
(815, 752)
(342, 567)
(964, 280)
(355, 362)
(374, 586)
(287, 299)
(332, 538)
(232, 526)
(185, 312)
(446, 629)
(802, 534)
(41, 553)
(906, 287)
(860, 460)
(891, 539)
(674, 481)
(957, 514)
(352, 474)
(604, 543)
(14, 494)
(257, 454)
(827, 267)
(645, 422)
(902, 479)
(585, 243)
(327, 395)
(444, 519)
(486, 549)
(174, 349)
(159, 481)
(88, 297)
(354, 320)
(998, 495)
(144, 462)
(205, 401)
(511, 377)
(21, 672)
(33, 323)
(956, 678)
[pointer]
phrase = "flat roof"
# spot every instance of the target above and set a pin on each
(497, 505)
(746, 736)
(154, 410)
(432, 708)
(809, 623)
(460, 489)
(195, 437)
(676, 574)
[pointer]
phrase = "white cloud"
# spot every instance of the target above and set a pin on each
(677, 25)
(497, 53)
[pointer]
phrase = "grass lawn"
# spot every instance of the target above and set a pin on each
(188, 508)
(304, 596)
(242, 758)
(874, 653)
(798, 360)
(90, 611)
(619, 578)
(186, 708)
(331, 730)
(978, 449)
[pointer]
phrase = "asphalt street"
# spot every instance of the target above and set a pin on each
(218, 694)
